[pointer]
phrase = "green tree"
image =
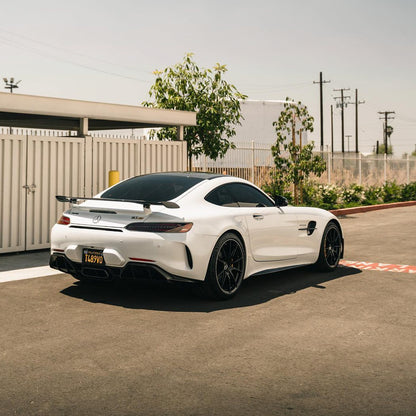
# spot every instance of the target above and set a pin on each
(185, 86)
(294, 162)
(381, 149)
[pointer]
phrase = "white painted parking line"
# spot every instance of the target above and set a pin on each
(30, 273)
(380, 267)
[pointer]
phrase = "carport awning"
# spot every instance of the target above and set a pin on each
(30, 111)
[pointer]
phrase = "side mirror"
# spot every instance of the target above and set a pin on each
(280, 201)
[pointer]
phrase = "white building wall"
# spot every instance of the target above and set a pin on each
(257, 125)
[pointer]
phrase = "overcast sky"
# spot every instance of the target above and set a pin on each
(102, 50)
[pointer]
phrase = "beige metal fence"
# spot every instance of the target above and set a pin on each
(33, 169)
(132, 157)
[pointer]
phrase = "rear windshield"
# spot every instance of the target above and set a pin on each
(152, 187)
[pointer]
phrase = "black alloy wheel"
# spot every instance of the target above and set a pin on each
(229, 266)
(226, 267)
(331, 248)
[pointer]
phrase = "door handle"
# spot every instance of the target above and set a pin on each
(258, 216)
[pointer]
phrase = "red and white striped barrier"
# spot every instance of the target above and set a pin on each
(381, 267)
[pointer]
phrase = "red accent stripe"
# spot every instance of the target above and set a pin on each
(381, 267)
(137, 259)
(58, 250)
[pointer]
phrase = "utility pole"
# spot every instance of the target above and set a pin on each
(320, 82)
(342, 105)
(356, 118)
(332, 128)
(348, 141)
(385, 118)
(10, 84)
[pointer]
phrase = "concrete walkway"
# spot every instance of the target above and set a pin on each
(20, 266)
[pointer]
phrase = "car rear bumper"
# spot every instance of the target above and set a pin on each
(185, 255)
(130, 271)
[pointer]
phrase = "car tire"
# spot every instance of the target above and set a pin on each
(331, 249)
(226, 268)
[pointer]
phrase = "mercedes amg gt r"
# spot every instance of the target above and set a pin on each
(207, 229)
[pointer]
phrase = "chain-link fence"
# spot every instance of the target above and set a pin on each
(254, 161)
(368, 170)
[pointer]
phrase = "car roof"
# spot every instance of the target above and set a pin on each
(199, 175)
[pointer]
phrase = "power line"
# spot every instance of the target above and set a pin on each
(51, 56)
(61, 48)
(321, 82)
(252, 88)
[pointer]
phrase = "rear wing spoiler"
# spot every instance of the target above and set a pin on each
(146, 204)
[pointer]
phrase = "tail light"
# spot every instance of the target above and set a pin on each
(64, 220)
(160, 227)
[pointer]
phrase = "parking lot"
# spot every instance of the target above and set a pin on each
(291, 343)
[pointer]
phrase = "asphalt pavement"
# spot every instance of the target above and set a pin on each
(292, 343)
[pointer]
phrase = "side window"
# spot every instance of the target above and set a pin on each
(247, 196)
(221, 196)
(238, 195)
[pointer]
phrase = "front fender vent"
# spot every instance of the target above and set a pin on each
(311, 227)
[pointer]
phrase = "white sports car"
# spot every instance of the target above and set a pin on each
(208, 229)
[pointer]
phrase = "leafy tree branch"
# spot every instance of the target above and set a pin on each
(294, 162)
(186, 86)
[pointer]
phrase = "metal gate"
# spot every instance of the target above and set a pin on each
(55, 166)
(33, 169)
(12, 193)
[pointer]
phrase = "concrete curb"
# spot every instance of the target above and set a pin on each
(356, 210)
(31, 273)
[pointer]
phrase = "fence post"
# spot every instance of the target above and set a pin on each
(407, 169)
(359, 168)
(385, 167)
(252, 161)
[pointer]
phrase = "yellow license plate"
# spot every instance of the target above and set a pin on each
(93, 257)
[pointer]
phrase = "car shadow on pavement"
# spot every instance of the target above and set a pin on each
(181, 297)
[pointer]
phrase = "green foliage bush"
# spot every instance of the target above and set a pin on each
(354, 194)
(373, 195)
(274, 190)
(392, 192)
(409, 192)
(334, 196)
